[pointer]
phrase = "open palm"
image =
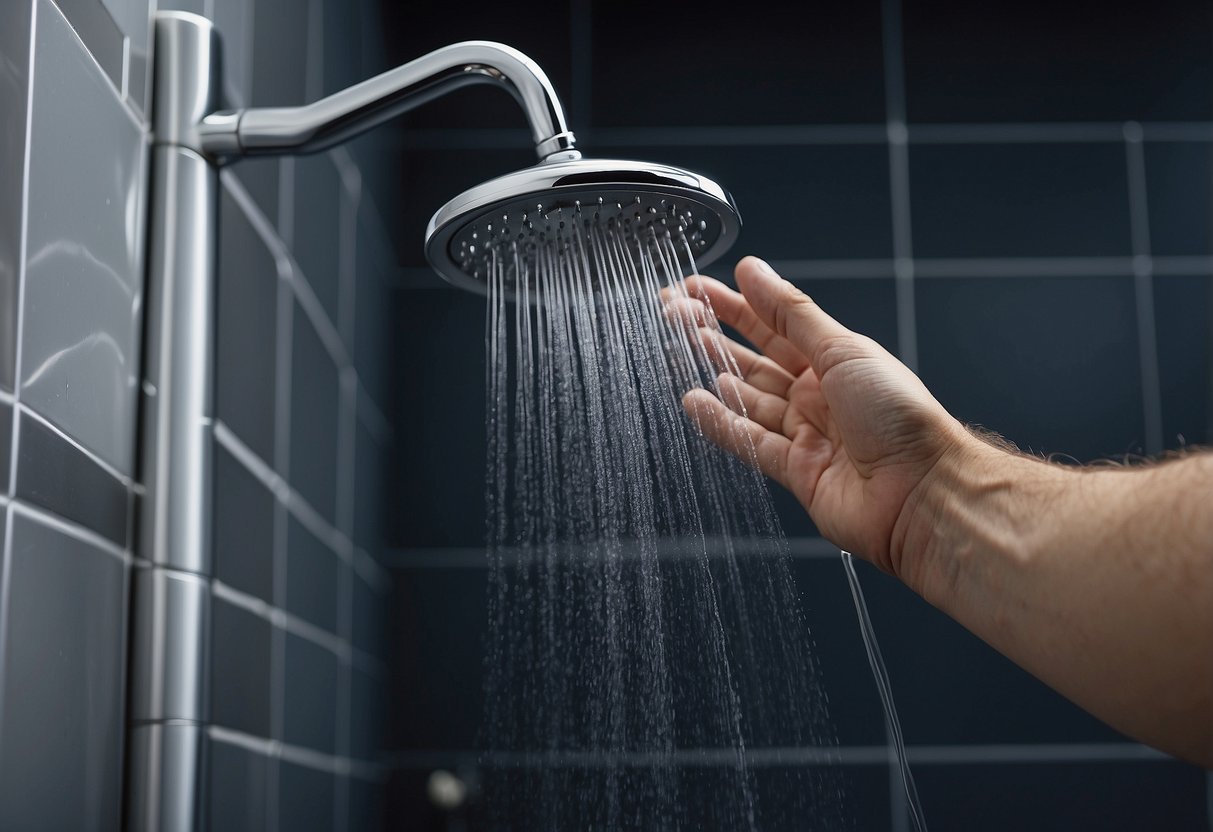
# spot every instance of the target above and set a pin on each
(826, 412)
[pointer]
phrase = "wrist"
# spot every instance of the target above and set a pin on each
(978, 501)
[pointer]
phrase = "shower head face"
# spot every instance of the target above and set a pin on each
(523, 210)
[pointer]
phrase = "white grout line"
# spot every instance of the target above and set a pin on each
(854, 755)
(306, 757)
(299, 507)
(126, 66)
(124, 479)
(940, 268)
(1143, 288)
(285, 320)
(280, 618)
(70, 529)
(488, 138)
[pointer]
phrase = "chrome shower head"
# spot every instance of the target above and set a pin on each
(521, 209)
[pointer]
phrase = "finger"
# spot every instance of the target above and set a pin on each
(748, 441)
(787, 311)
(726, 354)
(766, 409)
(733, 309)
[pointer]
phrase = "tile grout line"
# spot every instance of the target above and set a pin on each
(845, 755)
(125, 480)
(346, 461)
(308, 300)
(298, 506)
(1143, 288)
(298, 755)
(943, 268)
(284, 341)
(903, 275)
(799, 135)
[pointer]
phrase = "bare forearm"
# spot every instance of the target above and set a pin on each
(1098, 581)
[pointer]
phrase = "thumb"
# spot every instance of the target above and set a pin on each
(787, 310)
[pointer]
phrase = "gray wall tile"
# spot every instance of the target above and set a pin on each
(96, 27)
(317, 233)
(280, 32)
(246, 330)
(234, 22)
(314, 400)
(58, 476)
(240, 669)
(243, 528)
(61, 727)
(14, 83)
(311, 577)
(310, 708)
(84, 255)
(6, 446)
(239, 789)
(306, 799)
(133, 18)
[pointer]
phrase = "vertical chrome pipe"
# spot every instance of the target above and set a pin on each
(170, 593)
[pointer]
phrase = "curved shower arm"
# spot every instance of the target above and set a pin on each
(345, 114)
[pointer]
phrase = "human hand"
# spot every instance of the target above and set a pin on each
(826, 412)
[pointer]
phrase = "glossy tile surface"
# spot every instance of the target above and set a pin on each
(1180, 197)
(14, 89)
(246, 331)
(61, 730)
(311, 577)
(314, 402)
(240, 669)
(306, 799)
(243, 528)
(725, 63)
(310, 715)
(239, 788)
(1110, 795)
(1050, 363)
(56, 475)
(84, 253)
(317, 233)
(1019, 200)
(1183, 310)
(1006, 61)
(101, 34)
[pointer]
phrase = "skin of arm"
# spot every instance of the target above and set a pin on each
(1097, 580)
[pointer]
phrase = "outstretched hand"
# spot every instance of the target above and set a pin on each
(826, 412)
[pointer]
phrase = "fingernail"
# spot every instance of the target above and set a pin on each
(765, 267)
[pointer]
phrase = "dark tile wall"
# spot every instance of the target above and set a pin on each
(957, 182)
(298, 656)
(302, 421)
(73, 150)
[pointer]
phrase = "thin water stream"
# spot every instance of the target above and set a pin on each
(627, 634)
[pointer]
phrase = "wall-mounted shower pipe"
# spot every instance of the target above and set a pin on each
(345, 114)
(192, 135)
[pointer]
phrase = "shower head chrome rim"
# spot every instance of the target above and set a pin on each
(535, 202)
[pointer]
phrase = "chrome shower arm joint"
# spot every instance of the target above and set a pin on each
(345, 114)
